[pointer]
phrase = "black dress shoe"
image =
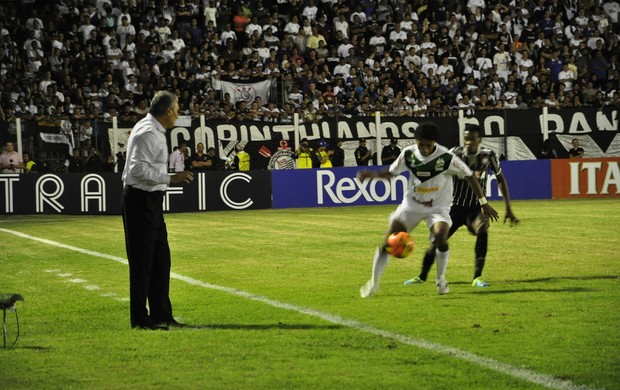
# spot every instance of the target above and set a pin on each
(150, 326)
(175, 324)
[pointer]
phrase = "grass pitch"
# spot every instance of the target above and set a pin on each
(274, 295)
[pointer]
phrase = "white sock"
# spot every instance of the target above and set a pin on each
(442, 262)
(378, 265)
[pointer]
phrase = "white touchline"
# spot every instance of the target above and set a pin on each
(491, 364)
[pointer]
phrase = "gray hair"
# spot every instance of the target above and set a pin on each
(161, 102)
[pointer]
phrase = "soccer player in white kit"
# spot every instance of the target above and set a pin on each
(428, 197)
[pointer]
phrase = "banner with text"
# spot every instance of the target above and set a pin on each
(585, 178)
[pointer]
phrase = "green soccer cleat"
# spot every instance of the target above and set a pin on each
(414, 280)
(478, 282)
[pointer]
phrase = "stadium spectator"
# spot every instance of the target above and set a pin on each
(324, 154)
(362, 153)
(176, 161)
(74, 162)
(390, 152)
(241, 161)
(199, 160)
(11, 161)
(576, 151)
(305, 155)
(547, 151)
(30, 166)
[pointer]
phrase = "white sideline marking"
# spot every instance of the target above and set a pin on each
(491, 364)
(77, 280)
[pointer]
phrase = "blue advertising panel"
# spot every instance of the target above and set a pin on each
(332, 187)
(339, 187)
(526, 180)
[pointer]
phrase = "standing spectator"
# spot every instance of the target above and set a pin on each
(338, 154)
(501, 62)
(10, 160)
(554, 64)
(341, 25)
(214, 163)
(177, 159)
(547, 151)
(305, 155)
(146, 238)
(199, 159)
(324, 154)
(242, 159)
(93, 161)
(390, 152)
(210, 13)
(576, 151)
(124, 30)
(74, 162)
(566, 76)
(378, 42)
(362, 154)
(30, 166)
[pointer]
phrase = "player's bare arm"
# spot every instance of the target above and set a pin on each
(371, 173)
(503, 186)
(487, 210)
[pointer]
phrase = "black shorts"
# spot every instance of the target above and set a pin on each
(463, 215)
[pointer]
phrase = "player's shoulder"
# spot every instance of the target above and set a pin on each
(458, 151)
(441, 150)
(486, 151)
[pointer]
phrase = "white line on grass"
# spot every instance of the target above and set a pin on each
(491, 364)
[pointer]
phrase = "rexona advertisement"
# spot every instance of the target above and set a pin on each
(340, 187)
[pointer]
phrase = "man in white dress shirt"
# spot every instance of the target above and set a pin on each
(146, 239)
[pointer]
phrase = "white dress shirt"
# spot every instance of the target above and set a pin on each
(146, 166)
(177, 161)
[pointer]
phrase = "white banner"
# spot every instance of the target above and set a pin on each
(247, 91)
(122, 135)
(56, 138)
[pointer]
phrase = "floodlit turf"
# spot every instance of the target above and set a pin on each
(274, 295)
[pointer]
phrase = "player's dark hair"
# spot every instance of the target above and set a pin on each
(428, 131)
(161, 102)
(473, 129)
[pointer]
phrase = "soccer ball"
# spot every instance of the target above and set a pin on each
(400, 244)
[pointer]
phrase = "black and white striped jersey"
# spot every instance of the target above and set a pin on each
(480, 163)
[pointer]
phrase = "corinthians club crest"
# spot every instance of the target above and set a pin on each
(283, 158)
(245, 93)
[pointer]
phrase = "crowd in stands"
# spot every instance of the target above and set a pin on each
(94, 59)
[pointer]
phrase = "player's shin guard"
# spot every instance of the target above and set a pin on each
(442, 255)
(378, 265)
(482, 243)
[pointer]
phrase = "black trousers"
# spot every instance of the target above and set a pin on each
(148, 253)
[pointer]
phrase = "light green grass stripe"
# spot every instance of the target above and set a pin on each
(491, 364)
